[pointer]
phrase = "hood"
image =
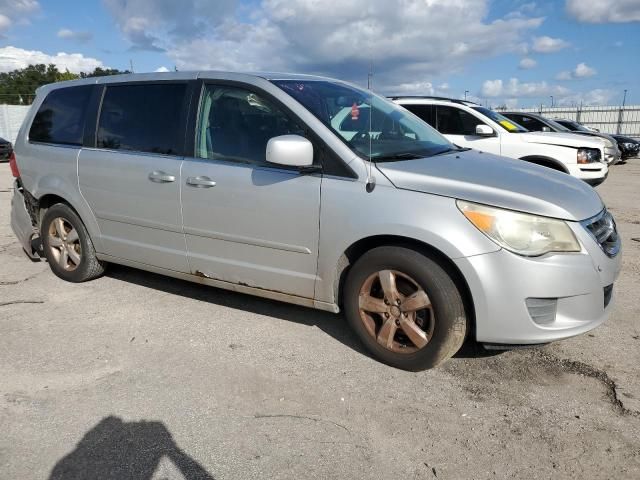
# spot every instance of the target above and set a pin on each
(498, 181)
(563, 139)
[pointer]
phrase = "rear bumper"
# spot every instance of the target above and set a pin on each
(21, 222)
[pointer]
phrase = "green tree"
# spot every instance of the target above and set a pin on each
(19, 86)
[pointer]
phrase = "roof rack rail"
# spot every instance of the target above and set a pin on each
(432, 97)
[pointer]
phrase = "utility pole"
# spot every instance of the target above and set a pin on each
(551, 96)
(131, 65)
(465, 94)
(621, 113)
(370, 75)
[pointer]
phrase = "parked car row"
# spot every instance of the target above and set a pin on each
(316, 192)
(468, 124)
(629, 147)
(5, 150)
(537, 123)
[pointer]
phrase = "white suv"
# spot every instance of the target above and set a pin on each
(471, 125)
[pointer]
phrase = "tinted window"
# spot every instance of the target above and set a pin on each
(530, 123)
(425, 112)
(454, 121)
(60, 118)
(143, 118)
(236, 124)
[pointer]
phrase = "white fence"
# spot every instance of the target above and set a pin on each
(608, 119)
(11, 117)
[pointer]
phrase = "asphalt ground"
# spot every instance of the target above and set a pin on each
(138, 376)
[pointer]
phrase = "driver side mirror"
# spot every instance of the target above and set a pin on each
(290, 150)
(546, 129)
(484, 130)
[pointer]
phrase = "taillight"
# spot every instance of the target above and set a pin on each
(13, 165)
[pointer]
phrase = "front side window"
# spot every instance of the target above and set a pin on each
(235, 124)
(455, 121)
(142, 118)
(372, 126)
(60, 118)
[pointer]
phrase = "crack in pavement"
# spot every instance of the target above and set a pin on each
(17, 302)
(581, 368)
(301, 417)
(15, 282)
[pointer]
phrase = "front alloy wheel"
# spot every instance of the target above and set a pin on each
(405, 308)
(396, 311)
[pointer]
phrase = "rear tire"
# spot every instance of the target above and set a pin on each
(419, 326)
(67, 245)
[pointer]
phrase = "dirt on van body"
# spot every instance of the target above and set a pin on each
(139, 376)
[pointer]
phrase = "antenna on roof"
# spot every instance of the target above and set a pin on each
(371, 182)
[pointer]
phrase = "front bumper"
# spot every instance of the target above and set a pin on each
(501, 282)
(592, 173)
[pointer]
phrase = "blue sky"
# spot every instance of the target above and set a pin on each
(515, 52)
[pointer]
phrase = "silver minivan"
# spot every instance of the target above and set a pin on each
(248, 182)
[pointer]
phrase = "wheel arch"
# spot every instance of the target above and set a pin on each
(360, 247)
(546, 162)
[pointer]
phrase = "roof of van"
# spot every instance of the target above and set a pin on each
(186, 75)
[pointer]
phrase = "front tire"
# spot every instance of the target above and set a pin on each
(67, 245)
(405, 308)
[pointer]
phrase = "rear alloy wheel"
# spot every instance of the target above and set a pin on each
(405, 308)
(67, 245)
(64, 244)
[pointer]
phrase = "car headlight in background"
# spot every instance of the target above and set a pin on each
(588, 155)
(521, 233)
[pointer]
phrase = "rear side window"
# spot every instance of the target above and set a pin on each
(425, 112)
(142, 118)
(60, 118)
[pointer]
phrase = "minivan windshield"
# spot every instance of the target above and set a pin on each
(371, 126)
(509, 125)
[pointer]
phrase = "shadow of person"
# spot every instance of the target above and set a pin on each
(115, 449)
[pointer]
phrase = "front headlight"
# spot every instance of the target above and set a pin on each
(521, 233)
(588, 155)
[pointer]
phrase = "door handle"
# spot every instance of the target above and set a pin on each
(201, 182)
(161, 177)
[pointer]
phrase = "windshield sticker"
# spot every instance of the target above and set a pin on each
(508, 125)
(355, 111)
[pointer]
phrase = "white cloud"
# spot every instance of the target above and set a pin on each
(582, 70)
(79, 36)
(15, 10)
(527, 63)
(604, 11)
(332, 37)
(547, 44)
(492, 88)
(161, 69)
(598, 96)
(514, 89)
(12, 58)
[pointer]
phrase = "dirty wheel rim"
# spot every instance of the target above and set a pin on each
(64, 244)
(396, 311)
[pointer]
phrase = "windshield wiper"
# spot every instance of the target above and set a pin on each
(398, 156)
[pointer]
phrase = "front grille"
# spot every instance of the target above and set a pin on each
(602, 228)
(608, 291)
